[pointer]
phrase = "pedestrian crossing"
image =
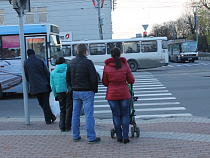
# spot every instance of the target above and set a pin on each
(188, 64)
(154, 100)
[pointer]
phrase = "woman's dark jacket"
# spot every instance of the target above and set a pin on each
(37, 74)
(81, 74)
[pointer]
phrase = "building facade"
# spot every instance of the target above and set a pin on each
(77, 18)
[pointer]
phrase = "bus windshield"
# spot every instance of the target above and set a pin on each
(189, 46)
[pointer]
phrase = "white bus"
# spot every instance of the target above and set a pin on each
(43, 38)
(139, 52)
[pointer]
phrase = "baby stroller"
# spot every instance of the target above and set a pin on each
(134, 128)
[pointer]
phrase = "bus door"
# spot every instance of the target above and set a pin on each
(38, 44)
(164, 52)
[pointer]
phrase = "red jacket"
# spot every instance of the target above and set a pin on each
(116, 80)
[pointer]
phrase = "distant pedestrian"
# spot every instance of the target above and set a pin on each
(116, 75)
(82, 77)
(58, 85)
(38, 76)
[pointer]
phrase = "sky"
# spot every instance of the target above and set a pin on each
(130, 15)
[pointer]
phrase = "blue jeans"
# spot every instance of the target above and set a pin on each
(120, 114)
(85, 98)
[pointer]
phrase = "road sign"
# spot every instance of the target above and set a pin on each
(145, 27)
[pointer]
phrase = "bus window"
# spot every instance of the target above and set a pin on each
(10, 47)
(66, 51)
(97, 49)
(131, 47)
(164, 44)
(74, 49)
(112, 45)
(149, 46)
(176, 49)
(38, 45)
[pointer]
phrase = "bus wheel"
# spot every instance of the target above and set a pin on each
(133, 65)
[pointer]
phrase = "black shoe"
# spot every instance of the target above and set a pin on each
(76, 140)
(62, 130)
(48, 123)
(98, 139)
(53, 119)
(126, 141)
(120, 140)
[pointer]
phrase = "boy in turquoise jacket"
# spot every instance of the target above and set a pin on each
(58, 85)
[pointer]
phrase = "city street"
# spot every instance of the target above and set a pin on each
(180, 89)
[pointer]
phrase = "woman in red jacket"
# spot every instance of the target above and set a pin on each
(116, 75)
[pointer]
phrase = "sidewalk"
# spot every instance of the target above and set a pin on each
(184, 137)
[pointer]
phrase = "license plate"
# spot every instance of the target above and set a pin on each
(189, 58)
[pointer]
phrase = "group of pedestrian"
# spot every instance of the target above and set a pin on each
(79, 77)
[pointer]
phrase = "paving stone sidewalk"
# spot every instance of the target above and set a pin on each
(176, 137)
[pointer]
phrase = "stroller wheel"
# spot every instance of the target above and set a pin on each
(137, 131)
(112, 132)
(132, 131)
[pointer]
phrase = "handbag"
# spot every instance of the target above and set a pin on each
(54, 105)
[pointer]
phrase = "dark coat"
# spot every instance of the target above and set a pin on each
(37, 74)
(81, 74)
(116, 80)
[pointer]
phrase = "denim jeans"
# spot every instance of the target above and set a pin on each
(120, 114)
(85, 98)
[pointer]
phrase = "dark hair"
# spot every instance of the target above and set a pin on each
(60, 60)
(30, 51)
(115, 52)
(81, 48)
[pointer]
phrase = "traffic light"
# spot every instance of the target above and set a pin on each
(17, 4)
(145, 34)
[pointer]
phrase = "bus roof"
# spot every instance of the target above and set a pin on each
(31, 28)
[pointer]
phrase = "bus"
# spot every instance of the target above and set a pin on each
(183, 51)
(43, 38)
(139, 52)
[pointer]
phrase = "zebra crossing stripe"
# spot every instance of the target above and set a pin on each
(159, 91)
(165, 98)
(141, 104)
(149, 109)
(162, 103)
(136, 86)
(161, 109)
(148, 88)
(158, 94)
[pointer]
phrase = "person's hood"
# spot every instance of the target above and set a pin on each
(61, 68)
(111, 61)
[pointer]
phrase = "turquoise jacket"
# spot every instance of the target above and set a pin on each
(58, 79)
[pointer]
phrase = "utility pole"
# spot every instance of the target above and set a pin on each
(20, 6)
(196, 23)
(100, 20)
